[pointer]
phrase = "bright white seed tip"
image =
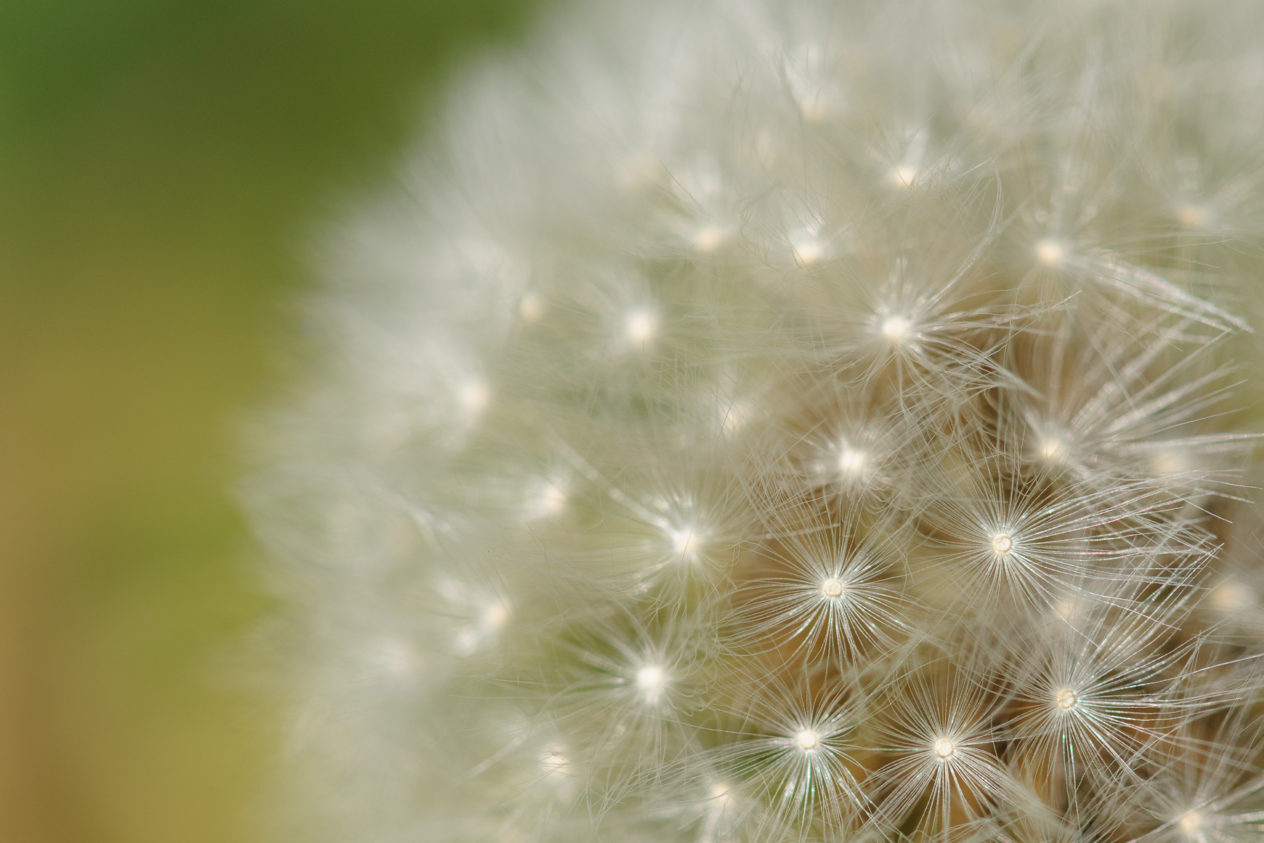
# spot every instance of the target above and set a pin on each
(1193, 216)
(895, 328)
(720, 792)
(1230, 597)
(735, 417)
(807, 247)
(651, 679)
(531, 307)
(1002, 543)
(1066, 699)
(474, 396)
(833, 588)
(640, 326)
(551, 500)
(1191, 823)
(1052, 450)
(553, 763)
(1050, 252)
(851, 461)
(494, 616)
(1167, 463)
(944, 748)
(807, 740)
(708, 238)
(685, 541)
(902, 175)
(1066, 608)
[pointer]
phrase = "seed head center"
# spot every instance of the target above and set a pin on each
(807, 740)
(650, 678)
(896, 328)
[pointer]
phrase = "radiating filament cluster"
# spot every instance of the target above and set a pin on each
(760, 421)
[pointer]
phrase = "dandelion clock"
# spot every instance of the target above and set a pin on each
(790, 421)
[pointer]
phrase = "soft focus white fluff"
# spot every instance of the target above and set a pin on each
(792, 421)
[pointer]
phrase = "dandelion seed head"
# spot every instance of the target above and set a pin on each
(846, 406)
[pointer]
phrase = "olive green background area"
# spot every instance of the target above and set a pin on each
(161, 164)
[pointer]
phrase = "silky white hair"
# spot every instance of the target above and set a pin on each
(790, 421)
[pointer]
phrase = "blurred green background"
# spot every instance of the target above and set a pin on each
(161, 164)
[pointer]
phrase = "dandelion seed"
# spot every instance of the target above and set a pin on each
(1191, 823)
(640, 326)
(944, 748)
(1230, 597)
(1166, 463)
(554, 764)
(547, 500)
(1002, 544)
(494, 616)
(833, 588)
(1050, 252)
(902, 175)
(735, 417)
(896, 328)
(807, 245)
(686, 542)
(474, 397)
(709, 238)
(650, 678)
(531, 307)
(807, 740)
(1195, 217)
(1052, 450)
(1065, 699)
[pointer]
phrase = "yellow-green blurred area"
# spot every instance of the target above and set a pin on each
(161, 164)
